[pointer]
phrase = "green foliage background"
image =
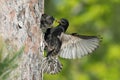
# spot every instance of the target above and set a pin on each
(92, 17)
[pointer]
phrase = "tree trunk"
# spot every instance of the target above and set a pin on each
(20, 26)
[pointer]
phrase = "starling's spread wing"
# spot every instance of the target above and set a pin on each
(76, 46)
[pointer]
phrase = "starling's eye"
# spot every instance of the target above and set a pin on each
(63, 22)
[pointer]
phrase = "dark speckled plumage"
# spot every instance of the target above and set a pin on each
(69, 46)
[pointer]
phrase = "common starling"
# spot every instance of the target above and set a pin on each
(46, 22)
(51, 64)
(69, 46)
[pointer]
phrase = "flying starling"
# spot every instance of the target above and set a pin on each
(52, 37)
(69, 46)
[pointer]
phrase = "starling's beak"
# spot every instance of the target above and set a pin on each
(58, 21)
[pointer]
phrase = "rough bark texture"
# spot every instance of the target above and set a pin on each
(19, 26)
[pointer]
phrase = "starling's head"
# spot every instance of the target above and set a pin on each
(46, 22)
(63, 22)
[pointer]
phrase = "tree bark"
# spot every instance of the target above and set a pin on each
(20, 26)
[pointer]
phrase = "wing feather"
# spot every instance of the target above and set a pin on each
(76, 46)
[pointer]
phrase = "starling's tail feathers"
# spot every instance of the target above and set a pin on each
(51, 65)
